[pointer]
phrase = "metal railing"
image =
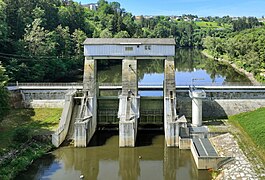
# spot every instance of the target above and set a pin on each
(45, 84)
(74, 84)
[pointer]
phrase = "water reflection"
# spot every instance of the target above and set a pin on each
(190, 64)
(108, 161)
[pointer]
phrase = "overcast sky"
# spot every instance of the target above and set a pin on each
(196, 7)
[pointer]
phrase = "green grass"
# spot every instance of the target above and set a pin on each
(214, 25)
(39, 121)
(254, 125)
(252, 131)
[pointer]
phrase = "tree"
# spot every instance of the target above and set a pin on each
(122, 34)
(105, 34)
(78, 38)
(4, 98)
(38, 40)
(3, 23)
(73, 15)
(62, 37)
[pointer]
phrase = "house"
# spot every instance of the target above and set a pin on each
(92, 6)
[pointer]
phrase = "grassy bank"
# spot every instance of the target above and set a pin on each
(224, 59)
(252, 132)
(24, 137)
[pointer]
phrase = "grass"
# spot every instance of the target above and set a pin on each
(252, 132)
(214, 25)
(38, 121)
(16, 156)
(254, 125)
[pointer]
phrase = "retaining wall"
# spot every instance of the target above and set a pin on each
(219, 103)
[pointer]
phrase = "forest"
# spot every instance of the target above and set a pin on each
(41, 41)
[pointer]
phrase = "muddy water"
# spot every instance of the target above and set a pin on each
(103, 159)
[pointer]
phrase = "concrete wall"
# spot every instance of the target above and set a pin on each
(219, 108)
(204, 162)
(218, 104)
(42, 98)
(56, 103)
(60, 134)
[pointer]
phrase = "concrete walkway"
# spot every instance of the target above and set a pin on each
(240, 167)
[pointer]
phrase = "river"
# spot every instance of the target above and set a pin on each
(103, 159)
(150, 159)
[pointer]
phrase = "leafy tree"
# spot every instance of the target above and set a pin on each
(3, 93)
(105, 34)
(62, 37)
(38, 40)
(73, 15)
(122, 34)
(78, 38)
(3, 23)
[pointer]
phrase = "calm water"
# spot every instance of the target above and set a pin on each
(190, 64)
(103, 159)
(192, 68)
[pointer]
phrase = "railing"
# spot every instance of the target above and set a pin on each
(45, 84)
(74, 84)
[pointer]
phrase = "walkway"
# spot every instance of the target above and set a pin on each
(240, 168)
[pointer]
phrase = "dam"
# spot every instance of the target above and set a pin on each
(82, 106)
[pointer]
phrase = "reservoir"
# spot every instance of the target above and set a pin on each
(150, 159)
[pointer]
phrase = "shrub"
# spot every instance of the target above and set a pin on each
(21, 135)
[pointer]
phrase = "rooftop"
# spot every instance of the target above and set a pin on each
(132, 41)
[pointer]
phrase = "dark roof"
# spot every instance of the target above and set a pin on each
(133, 41)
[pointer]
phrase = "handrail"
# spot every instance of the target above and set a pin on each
(74, 84)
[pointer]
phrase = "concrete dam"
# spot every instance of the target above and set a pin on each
(84, 109)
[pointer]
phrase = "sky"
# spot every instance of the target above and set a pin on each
(201, 8)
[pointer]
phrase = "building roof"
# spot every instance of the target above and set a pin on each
(129, 41)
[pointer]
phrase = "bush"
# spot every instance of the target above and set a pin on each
(21, 135)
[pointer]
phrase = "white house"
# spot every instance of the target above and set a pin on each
(92, 6)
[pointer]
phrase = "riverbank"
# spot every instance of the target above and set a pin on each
(244, 141)
(249, 75)
(25, 136)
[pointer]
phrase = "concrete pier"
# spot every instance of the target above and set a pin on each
(197, 96)
(128, 103)
(80, 134)
(171, 125)
(86, 122)
(129, 76)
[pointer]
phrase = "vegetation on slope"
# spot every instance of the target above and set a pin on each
(25, 137)
(252, 125)
(245, 49)
(42, 40)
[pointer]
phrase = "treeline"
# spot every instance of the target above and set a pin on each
(42, 40)
(245, 48)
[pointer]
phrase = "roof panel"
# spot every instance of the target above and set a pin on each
(130, 41)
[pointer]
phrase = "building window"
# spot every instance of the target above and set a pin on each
(128, 48)
(148, 47)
